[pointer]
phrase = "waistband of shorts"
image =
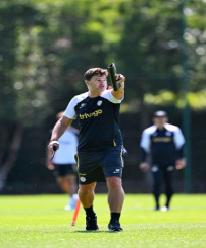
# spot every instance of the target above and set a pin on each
(100, 150)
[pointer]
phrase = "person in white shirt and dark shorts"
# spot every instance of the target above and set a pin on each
(64, 164)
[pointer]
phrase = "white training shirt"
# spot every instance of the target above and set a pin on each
(67, 149)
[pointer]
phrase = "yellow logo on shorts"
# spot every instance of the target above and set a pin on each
(95, 114)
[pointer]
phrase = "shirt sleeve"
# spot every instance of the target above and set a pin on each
(180, 153)
(108, 95)
(179, 139)
(143, 155)
(70, 111)
(145, 142)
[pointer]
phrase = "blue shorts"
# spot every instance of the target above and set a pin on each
(97, 166)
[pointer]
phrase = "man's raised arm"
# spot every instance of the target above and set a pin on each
(119, 94)
(59, 128)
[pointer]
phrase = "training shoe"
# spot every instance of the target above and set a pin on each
(114, 226)
(156, 209)
(73, 200)
(165, 209)
(68, 208)
(92, 223)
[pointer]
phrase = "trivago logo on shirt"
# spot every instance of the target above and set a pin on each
(162, 139)
(95, 114)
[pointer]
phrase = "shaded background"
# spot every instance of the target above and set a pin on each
(47, 45)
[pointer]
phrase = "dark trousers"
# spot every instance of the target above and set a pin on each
(162, 174)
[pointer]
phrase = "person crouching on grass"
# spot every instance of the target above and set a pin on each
(100, 143)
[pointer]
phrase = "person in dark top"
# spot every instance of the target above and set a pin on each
(100, 143)
(164, 142)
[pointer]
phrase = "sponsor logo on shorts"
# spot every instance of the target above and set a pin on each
(116, 171)
(95, 114)
(83, 179)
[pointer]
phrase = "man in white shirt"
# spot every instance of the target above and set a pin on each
(64, 164)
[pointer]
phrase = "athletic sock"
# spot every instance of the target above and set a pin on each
(90, 212)
(169, 196)
(156, 196)
(115, 216)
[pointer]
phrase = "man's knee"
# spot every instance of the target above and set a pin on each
(70, 178)
(61, 180)
(114, 183)
(86, 189)
(169, 188)
(156, 187)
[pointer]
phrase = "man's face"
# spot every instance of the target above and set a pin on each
(97, 83)
(160, 121)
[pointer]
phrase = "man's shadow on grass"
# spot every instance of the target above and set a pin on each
(95, 232)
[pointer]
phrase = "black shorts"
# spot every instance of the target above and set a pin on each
(62, 170)
(97, 166)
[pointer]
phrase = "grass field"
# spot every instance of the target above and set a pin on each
(40, 221)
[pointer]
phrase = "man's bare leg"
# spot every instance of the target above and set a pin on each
(115, 200)
(86, 194)
(67, 183)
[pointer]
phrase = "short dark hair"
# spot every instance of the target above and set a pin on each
(95, 71)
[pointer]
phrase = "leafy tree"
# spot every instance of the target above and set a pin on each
(18, 98)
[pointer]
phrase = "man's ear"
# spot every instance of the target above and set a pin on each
(87, 82)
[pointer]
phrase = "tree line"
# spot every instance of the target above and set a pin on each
(46, 46)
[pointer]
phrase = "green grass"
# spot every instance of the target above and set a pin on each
(40, 221)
